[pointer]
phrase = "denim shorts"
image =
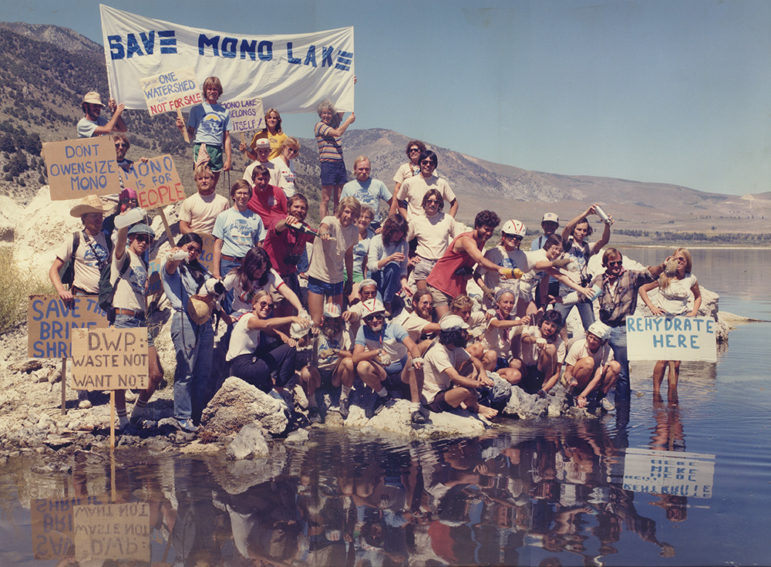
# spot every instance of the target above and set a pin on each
(323, 288)
(129, 322)
(333, 173)
(396, 367)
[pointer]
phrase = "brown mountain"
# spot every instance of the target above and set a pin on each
(42, 85)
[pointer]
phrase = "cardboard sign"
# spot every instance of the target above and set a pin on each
(109, 359)
(112, 531)
(246, 115)
(51, 526)
(50, 321)
(668, 472)
(171, 90)
(206, 257)
(156, 182)
(78, 168)
(671, 338)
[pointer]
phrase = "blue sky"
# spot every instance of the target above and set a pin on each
(675, 91)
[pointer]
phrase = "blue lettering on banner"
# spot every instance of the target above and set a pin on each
(204, 42)
(310, 57)
(249, 48)
(344, 60)
(265, 50)
(129, 47)
(229, 47)
(326, 56)
(289, 57)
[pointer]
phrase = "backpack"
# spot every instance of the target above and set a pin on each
(107, 290)
(67, 270)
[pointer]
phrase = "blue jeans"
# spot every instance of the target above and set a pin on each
(389, 281)
(225, 267)
(585, 310)
(193, 372)
(617, 343)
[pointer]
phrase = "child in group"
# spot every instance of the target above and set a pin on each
(381, 356)
(463, 307)
(209, 123)
(360, 250)
(590, 368)
(199, 211)
(444, 386)
(333, 364)
(498, 337)
(541, 353)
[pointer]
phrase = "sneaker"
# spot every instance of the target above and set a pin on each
(138, 414)
(343, 407)
(381, 402)
(369, 401)
(186, 425)
(314, 415)
(419, 417)
(607, 405)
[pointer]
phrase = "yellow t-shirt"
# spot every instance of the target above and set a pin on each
(275, 141)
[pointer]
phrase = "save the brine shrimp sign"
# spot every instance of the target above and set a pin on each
(109, 359)
(671, 338)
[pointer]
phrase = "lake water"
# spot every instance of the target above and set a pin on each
(685, 485)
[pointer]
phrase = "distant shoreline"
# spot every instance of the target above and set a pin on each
(694, 247)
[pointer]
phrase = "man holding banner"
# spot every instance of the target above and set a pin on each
(617, 300)
(93, 123)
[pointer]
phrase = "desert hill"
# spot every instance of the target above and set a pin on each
(42, 85)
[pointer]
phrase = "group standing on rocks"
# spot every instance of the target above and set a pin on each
(389, 297)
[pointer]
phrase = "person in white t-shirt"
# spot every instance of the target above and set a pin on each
(199, 211)
(450, 376)
(409, 199)
(412, 168)
(282, 174)
(262, 150)
(542, 351)
(590, 367)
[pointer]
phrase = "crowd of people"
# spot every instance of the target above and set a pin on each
(389, 297)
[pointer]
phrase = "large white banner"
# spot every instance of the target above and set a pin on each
(292, 73)
(671, 338)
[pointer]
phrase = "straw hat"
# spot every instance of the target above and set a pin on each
(92, 97)
(90, 204)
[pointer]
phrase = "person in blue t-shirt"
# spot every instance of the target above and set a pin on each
(368, 190)
(210, 123)
(384, 356)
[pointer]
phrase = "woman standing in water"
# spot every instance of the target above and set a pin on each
(675, 285)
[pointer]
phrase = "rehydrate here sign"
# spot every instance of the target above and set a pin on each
(671, 338)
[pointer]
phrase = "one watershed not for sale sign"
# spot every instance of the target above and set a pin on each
(109, 359)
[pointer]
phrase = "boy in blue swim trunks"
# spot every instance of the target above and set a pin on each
(209, 123)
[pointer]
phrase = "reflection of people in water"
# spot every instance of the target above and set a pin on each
(668, 435)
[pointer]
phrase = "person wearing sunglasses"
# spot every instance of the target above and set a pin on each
(251, 353)
(282, 174)
(412, 168)
(385, 357)
(409, 199)
(128, 276)
(617, 299)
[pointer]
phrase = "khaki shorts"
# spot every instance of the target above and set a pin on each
(440, 298)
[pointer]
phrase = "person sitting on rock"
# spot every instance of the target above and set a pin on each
(255, 354)
(332, 365)
(541, 354)
(384, 356)
(498, 337)
(590, 369)
(450, 376)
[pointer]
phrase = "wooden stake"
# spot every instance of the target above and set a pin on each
(184, 128)
(112, 419)
(167, 227)
(64, 385)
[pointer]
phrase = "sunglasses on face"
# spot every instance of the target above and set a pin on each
(616, 263)
(430, 201)
(121, 145)
(375, 317)
(143, 238)
(426, 162)
(515, 236)
(267, 304)
(413, 150)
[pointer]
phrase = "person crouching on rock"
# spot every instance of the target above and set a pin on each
(590, 369)
(129, 275)
(450, 376)
(254, 354)
(381, 356)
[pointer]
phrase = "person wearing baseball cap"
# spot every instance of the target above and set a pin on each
(93, 123)
(262, 153)
(590, 369)
(384, 356)
(450, 376)
(549, 223)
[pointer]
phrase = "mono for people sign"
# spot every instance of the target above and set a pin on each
(77, 168)
(671, 338)
(156, 182)
(109, 359)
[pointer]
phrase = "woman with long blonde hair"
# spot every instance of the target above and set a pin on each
(675, 287)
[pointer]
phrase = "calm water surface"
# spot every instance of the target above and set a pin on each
(658, 485)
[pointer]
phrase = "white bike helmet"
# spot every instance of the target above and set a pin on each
(515, 227)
